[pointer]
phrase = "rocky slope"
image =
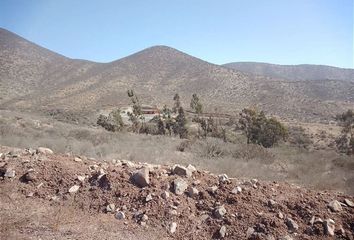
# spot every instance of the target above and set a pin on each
(294, 72)
(32, 78)
(118, 199)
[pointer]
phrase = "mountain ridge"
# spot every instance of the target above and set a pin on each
(33, 77)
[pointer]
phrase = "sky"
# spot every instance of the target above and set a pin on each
(218, 31)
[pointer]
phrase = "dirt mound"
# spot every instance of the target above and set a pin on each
(105, 201)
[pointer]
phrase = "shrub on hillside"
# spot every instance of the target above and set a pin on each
(261, 130)
(113, 122)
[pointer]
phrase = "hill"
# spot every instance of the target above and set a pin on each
(34, 78)
(294, 72)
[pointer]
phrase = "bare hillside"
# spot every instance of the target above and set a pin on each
(35, 78)
(294, 72)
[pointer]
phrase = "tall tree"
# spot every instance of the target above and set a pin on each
(196, 104)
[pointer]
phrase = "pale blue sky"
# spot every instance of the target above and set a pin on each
(219, 31)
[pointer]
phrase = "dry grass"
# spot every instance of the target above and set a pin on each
(322, 169)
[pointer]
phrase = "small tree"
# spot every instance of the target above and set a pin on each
(195, 104)
(113, 122)
(177, 103)
(261, 130)
(345, 142)
(161, 127)
(180, 126)
(136, 116)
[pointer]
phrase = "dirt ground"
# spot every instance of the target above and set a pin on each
(36, 203)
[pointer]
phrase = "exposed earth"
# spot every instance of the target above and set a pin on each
(60, 196)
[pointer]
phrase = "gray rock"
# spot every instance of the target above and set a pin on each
(329, 227)
(10, 173)
(181, 171)
(272, 203)
(236, 190)
(193, 192)
(191, 168)
(348, 202)
(165, 195)
(212, 189)
(119, 215)
(144, 218)
(250, 231)
(292, 225)
(173, 227)
(179, 186)
(148, 198)
(222, 231)
(287, 237)
(44, 150)
(111, 208)
(141, 177)
(81, 178)
(223, 178)
(74, 189)
(219, 212)
(335, 206)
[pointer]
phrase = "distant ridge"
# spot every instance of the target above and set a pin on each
(294, 72)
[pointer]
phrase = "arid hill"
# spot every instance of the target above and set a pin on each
(294, 72)
(35, 78)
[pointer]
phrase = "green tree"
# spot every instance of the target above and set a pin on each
(261, 130)
(180, 126)
(136, 116)
(195, 104)
(345, 142)
(177, 103)
(113, 122)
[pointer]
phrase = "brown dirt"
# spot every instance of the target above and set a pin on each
(83, 215)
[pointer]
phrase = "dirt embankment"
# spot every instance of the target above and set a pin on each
(49, 196)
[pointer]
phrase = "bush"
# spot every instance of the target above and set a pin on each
(261, 130)
(345, 142)
(299, 138)
(113, 122)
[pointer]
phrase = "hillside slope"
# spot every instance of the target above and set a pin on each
(35, 78)
(294, 72)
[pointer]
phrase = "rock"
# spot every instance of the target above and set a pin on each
(74, 189)
(191, 168)
(30, 194)
(292, 225)
(148, 198)
(223, 178)
(335, 206)
(219, 212)
(287, 237)
(119, 215)
(222, 231)
(236, 190)
(30, 176)
(111, 208)
(179, 186)
(144, 218)
(77, 159)
(212, 189)
(142, 223)
(165, 195)
(271, 203)
(193, 192)
(249, 232)
(181, 171)
(348, 202)
(141, 177)
(10, 173)
(280, 215)
(44, 150)
(173, 227)
(81, 178)
(173, 212)
(329, 227)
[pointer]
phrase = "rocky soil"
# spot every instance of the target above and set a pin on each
(44, 195)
